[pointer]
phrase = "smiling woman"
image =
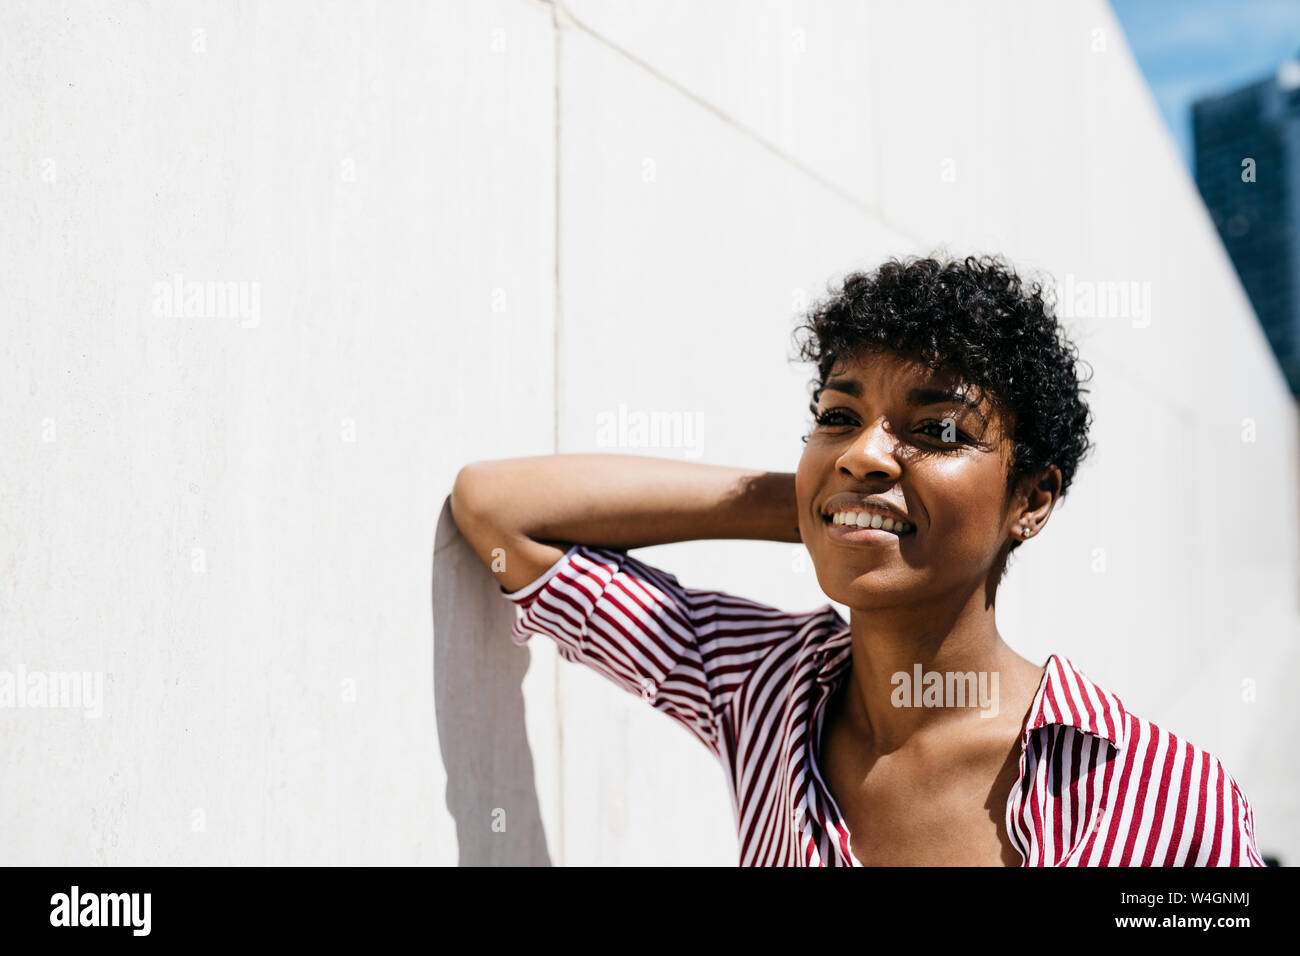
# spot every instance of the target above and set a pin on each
(974, 365)
(947, 424)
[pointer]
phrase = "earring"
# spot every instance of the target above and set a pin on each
(1027, 530)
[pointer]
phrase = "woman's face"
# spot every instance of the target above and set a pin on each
(890, 428)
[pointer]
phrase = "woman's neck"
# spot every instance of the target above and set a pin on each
(919, 669)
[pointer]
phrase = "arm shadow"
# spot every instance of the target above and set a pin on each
(479, 706)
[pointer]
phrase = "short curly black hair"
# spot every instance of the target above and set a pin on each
(974, 317)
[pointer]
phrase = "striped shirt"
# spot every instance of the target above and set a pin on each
(1098, 785)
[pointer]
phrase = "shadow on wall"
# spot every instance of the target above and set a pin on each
(479, 704)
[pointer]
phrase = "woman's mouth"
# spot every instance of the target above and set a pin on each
(863, 527)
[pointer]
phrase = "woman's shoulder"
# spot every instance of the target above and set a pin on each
(1070, 698)
(1177, 794)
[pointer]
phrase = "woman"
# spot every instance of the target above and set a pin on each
(947, 424)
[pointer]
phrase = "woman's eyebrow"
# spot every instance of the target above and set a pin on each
(943, 396)
(849, 386)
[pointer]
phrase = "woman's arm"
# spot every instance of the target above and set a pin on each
(529, 507)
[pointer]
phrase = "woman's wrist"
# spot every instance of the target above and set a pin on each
(764, 507)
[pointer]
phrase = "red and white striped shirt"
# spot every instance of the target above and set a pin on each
(1098, 785)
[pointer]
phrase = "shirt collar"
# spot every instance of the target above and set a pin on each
(1065, 696)
(833, 654)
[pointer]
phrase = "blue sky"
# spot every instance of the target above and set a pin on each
(1193, 48)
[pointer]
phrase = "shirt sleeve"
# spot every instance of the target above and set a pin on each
(1222, 821)
(685, 651)
(1239, 847)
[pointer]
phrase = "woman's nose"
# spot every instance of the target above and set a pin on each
(870, 451)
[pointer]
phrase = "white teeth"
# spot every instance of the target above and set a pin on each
(864, 519)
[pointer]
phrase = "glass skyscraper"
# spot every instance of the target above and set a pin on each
(1247, 145)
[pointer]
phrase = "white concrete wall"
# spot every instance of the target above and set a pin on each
(231, 517)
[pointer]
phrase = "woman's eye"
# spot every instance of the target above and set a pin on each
(943, 432)
(832, 417)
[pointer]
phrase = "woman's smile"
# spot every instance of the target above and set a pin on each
(865, 535)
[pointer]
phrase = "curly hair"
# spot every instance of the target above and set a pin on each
(974, 317)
